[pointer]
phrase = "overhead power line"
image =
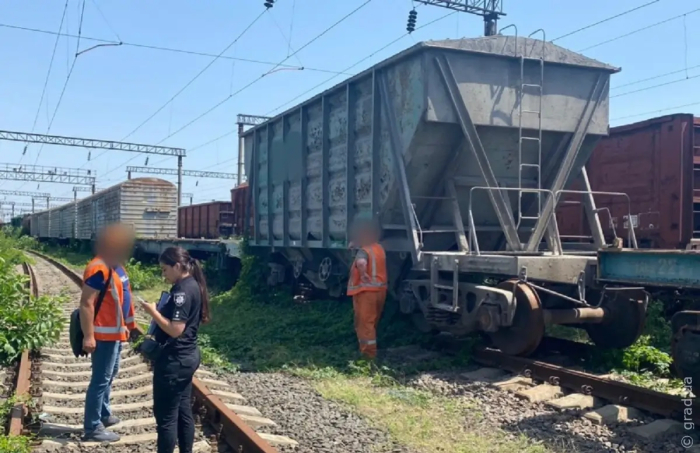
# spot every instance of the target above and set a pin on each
(202, 71)
(345, 70)
(48, 74)
(253, 82)
(639, 30)
(658, 76)
(652, 112)
(365, 58)
(607, 19)
(65, 84)
(161, 48)
(656, 86)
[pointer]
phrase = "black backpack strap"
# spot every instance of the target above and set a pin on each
(103, 292)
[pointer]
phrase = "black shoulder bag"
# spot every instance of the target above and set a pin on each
(150, 348)
(76, 330)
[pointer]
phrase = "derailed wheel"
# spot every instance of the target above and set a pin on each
(527, 330)
(624, 319)
(685, 346)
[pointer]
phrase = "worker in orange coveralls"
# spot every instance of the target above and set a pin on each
(368, 284)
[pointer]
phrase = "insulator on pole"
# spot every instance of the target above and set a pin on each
(269, 3)
(411, 25)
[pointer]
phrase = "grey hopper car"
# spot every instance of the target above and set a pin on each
(149, 205)
(461, 148)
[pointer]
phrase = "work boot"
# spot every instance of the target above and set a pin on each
(110, 421)
(100, 435)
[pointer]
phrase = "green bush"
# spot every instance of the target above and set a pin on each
(27, 322)
(15, 444)
(143, 276)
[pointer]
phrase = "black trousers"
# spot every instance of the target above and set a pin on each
(172, 401)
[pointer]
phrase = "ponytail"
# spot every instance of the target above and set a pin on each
(177, 255)
(198, 275)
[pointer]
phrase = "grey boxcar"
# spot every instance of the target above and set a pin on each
(149, 205)
(461, 148)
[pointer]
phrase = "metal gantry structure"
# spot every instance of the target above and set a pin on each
(244, 120)
(89, 143)
(490, 10)
(40, 173)
(34, 196)
(94, 144)
(180, 172)
(14, 204)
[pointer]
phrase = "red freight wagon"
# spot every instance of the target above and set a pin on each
(239, 199)
(206, 220)
(657, 163)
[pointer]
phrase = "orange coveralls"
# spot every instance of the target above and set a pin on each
(368, 297)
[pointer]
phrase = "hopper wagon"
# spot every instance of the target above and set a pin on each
(149, 205)
(461, 149)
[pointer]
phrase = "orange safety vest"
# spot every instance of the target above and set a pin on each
(110, 324)
(376, 269)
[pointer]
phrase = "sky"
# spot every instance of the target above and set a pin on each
(273, 60)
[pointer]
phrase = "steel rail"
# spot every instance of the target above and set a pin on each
(670, 406)
(231, 428)
(24, 370)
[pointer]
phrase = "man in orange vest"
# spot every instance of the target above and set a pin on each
(367, 284)
(105, 325)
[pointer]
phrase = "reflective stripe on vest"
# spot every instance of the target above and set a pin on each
(119, 328)
(373, 283)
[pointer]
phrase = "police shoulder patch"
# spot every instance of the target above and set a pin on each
(179, 299)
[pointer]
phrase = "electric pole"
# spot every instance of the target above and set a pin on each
(245, 120)
(490, 10)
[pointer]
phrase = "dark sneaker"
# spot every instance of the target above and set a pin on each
(101, 435)
(110, 421)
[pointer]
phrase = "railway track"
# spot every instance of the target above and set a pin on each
(57, 381)
(553, 377)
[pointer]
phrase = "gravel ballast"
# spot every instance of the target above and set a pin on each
(564, 431)
(319, 425)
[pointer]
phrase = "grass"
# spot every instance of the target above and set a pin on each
(264, 330)
(420, 420)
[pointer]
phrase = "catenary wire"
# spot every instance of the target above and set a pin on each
(561, 37)
(48, 73)
(639, 30)
(343, 72)
(647, 79)
(684, 79)
(158, 48)
(252, 82)
(607, 19)
(651, 112)
(99, 10)
(394, 41)
(65, 84)
(187, 85)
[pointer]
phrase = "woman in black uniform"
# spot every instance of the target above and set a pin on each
(177, 324)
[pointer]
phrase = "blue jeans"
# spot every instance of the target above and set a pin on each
(105, 366)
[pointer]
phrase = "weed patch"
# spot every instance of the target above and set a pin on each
(28, 322)
(419, 419)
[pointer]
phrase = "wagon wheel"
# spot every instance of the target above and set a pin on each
(527, 330)
(324, 269)
(624, 320)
